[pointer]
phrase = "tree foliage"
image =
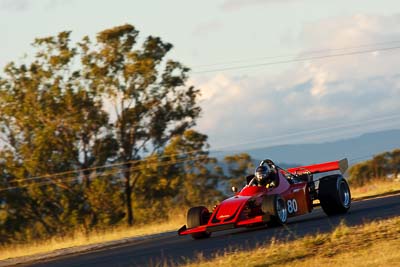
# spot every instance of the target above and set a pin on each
(95, 130)
(239, 166)
(104, 102)
(381, 166)
(148, 94)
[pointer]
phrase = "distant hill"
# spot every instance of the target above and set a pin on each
(355, 149)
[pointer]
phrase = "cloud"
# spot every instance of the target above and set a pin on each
(204, 29)
(24, 5)
(314, 94)
(232, 5)
(52, 4)
(14, 5)
(219, 93)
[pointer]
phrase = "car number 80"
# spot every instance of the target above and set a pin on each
(292, 205)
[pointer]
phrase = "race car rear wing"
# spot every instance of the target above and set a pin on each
(340, 165)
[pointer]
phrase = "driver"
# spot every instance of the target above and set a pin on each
(265, 176)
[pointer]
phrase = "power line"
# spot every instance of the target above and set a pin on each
(54, 175)
(215, 151)
(297, 60)
(361, 158)
(175, 161)
(106, 166)
(313, 131)
(73, 178)
(296, 55)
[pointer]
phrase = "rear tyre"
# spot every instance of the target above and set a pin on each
(197, 216)
(275, 206)
(334, 195)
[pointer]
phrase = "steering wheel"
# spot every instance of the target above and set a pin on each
(252, 181)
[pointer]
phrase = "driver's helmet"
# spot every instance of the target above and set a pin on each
(262, 173)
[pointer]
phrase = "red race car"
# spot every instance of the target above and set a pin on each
(272, 195)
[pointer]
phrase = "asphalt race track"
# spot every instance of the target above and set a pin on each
(174, 249)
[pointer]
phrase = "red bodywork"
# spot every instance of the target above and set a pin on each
(244, 209)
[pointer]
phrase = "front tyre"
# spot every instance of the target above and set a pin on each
(275, 206)
(197, 216)
(334, 195)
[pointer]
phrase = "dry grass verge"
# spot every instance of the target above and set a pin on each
(79, 238)
(376, 188)
(373, 244)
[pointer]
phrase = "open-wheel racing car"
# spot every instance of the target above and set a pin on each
(272, 195)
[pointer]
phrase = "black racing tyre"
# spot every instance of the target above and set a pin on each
(334, 195)
(197, 216)
(275, 206)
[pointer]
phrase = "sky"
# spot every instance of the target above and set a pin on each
(270, 71)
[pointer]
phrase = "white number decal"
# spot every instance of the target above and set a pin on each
(292, 205)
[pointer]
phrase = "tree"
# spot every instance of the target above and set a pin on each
(150, 100)
(395, 162)
(201, 176)
(360, 173)
(50, 123)
(77, 106)
(183, 176)
(380, 165)
(239, 166)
